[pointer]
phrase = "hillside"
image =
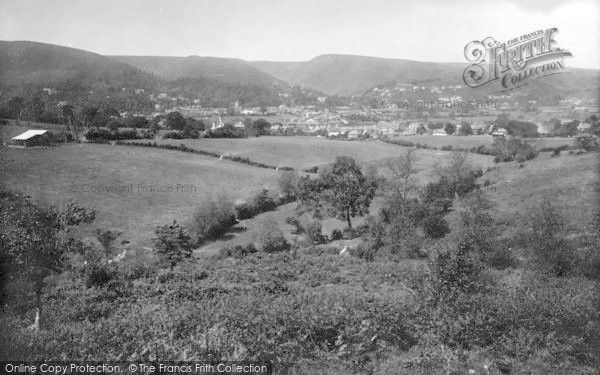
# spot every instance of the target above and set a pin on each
(348, 74)
(28, 65)
(47, 65)
(221, 69)
(351, 75)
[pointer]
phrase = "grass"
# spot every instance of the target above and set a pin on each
(301, 152)
(47, 174)
(570, 182)
(479, 140)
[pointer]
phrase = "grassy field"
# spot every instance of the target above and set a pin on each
(478, 140)
(306, 152)
(59, 174)
(569, 181)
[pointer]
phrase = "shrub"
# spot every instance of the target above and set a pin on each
(364, 251)
(314, 231)
(547, 239)
(587, 142)
(104, 136)
(269, 237)
(137, 263)
(336, 234)
(274, 243)
(172, 243)
(244, 211)
(513, 149)
(237, 251)
(435, 226)
(262, 202)
(287, 183)
(500, 258)
(213, 218)
(453, 271)
(174, 135)
(98, 275)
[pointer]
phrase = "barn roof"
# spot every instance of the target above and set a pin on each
(29, 134)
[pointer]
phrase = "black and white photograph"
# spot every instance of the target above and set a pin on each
(300, 187)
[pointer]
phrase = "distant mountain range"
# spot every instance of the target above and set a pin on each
(30, 64)
(349, 75)
(221, 69)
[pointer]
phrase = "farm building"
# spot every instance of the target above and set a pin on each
(32, 138)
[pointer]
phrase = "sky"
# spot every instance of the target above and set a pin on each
(286, 30)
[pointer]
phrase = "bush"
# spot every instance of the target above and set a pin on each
(104, 136)
(174, 135)
(500, 258)
(513, 149)
(314, 231)
(336, 234)
(237, 251)
(364, 251)
(98, 275)
(587, 142)
(263, 202)
(435, 226)
(275, 242)
(547, 239)
(453, 271)
(213, 218)
(269, 237)
(287, 183)
(244, 211)
(172, 243)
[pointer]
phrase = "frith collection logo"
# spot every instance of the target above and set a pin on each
(516, 62)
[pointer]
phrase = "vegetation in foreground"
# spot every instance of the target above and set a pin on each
(420, 294)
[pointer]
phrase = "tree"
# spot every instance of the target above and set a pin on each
(87, 115)
(136, 122)
(68, 116)
(34, 109)
(465, 129)
(15, 106)
(213, 217)
(287, 183)
(342, 191)
(475, 225)
(175, 120)
(113, 125)
(172, 244)
(107, 239)
(457, 171)
(403, 170)
(449, 128)
(111, 112)
(36, 239)
(261, 126)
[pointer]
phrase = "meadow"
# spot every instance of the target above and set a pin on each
(307, 152)
(308, 310)
(136, 204)
(479, 140)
